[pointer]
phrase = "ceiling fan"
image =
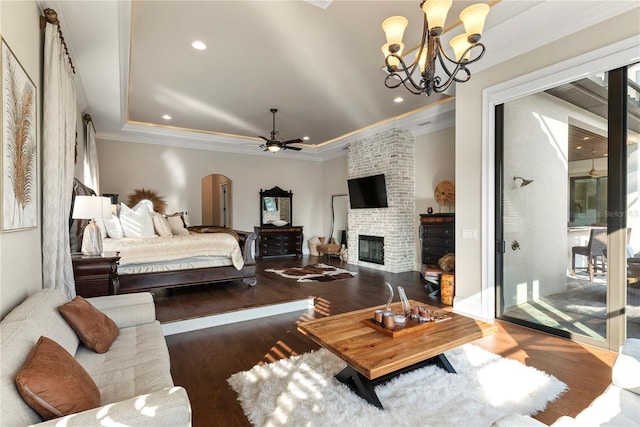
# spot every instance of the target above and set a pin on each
(275, 143)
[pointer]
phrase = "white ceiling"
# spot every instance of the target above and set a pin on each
(322, 68)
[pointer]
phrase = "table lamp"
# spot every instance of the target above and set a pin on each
(91, 208)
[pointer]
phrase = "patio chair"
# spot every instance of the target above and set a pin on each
(594, 251)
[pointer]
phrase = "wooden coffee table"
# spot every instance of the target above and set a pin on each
(373, 357)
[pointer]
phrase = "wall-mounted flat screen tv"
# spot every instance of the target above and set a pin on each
(368, 192)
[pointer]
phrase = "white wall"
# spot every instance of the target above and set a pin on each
(176, 174)
(434, 162)
(20, 251)
(469, 159)
(334, 174)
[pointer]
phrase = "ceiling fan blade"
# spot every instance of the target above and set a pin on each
(286, 147)
(293, 141)
(266, 139)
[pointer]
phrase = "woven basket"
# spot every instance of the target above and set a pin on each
(330, 248)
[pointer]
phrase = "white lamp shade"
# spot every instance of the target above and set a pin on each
(436, 11)
(91, 207)
(392, 60)
(473, 18)
(394, 28)
(459, 44)
(422, 62)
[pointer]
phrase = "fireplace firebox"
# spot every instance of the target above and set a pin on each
(371, 249)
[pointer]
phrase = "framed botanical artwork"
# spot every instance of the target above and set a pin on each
(19, 145)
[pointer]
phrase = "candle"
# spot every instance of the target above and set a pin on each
(388, 320)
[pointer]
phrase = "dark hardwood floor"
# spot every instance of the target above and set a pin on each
(201, 361)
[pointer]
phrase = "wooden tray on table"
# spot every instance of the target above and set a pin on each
(411, 325)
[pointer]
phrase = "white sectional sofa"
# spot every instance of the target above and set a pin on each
(618, 405)
(133, 376)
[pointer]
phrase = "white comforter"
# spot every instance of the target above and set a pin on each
(159, 249)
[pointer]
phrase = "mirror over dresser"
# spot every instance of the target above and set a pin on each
(276, 236)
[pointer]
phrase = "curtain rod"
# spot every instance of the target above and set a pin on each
(51, 16)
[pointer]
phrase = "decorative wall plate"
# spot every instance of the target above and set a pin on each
(445, 193)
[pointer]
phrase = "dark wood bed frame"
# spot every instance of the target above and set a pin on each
(170, 279)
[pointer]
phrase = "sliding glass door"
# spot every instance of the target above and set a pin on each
(561, 220)
(630, 295)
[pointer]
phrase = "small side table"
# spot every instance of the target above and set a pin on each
(96, 275)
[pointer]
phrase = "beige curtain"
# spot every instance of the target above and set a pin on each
(91, 173)
(58, 148)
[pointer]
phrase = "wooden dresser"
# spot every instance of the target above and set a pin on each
(437, 236)
(278, 241)
(96, 275)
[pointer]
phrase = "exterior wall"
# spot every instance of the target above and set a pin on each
(20, 251)
(391, 153)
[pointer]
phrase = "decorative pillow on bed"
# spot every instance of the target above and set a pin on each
(113, 227)
(176, 222)
(136, 221)
(161, 225)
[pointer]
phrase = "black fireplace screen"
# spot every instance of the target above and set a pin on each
(371, 249)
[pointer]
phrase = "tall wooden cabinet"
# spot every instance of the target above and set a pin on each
(278, 241)
(437, 236)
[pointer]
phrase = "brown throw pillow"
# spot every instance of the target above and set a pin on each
(54, 384)
(94, 328)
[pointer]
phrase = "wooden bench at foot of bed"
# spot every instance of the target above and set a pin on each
(171, 279)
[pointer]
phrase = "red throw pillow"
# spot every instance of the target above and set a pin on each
(94, 328)
(54, 384)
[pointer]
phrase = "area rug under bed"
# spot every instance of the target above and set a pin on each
(313, 273)
(302, 391)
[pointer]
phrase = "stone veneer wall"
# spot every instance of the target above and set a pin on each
(392, 153)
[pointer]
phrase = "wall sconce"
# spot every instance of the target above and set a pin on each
(91, 208)
(524, 181)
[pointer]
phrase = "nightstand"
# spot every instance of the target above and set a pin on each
(96, 275)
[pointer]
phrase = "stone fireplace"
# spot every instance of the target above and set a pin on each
(391, 153)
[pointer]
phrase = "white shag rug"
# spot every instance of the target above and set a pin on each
(302, 391)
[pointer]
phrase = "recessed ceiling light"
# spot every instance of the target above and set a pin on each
(166, 117)
(579, 147)
(586, 138)
(198, 45)
(605, 154)
(305, 138)
(398, 99)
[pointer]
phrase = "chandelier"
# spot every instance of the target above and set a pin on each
(431, 51)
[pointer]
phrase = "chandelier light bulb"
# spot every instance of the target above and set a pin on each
(394, 27)
(436, 11)
(473, 18)
(274, 148)
(460, 44)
